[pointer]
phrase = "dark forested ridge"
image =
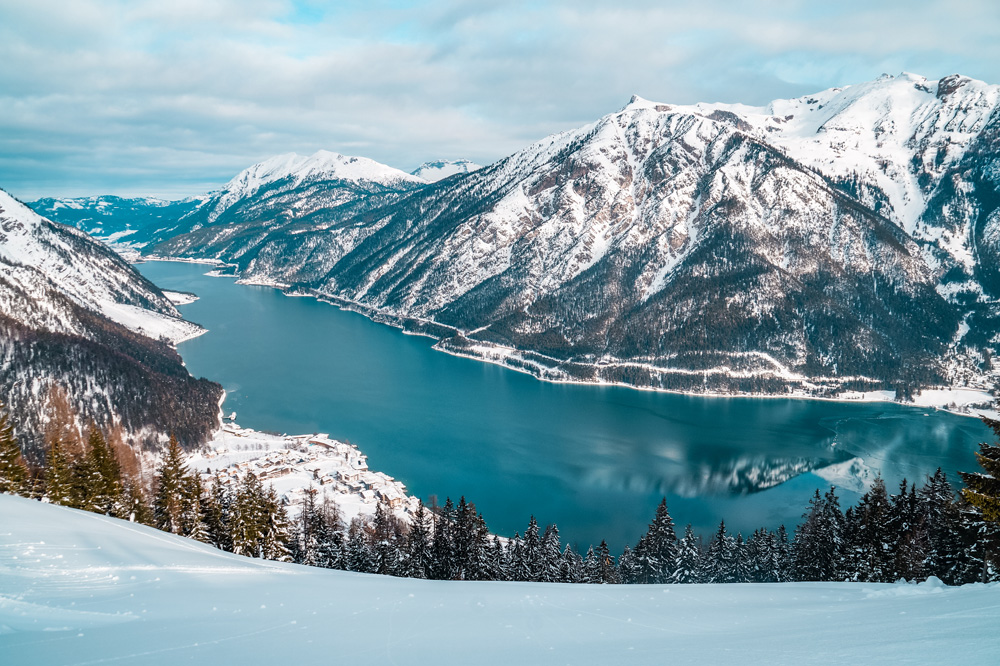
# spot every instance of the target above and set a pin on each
(59, 290)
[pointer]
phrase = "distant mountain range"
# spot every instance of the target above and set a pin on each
(73, 314)
(849, 238)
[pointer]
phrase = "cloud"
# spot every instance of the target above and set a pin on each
(171, 98)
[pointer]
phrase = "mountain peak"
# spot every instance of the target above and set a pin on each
(436, 170)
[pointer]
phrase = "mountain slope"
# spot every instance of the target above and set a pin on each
(73, 314)
(843, 238)
(78, 588)
(849, 238)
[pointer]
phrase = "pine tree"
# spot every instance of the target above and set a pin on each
(418, 544)
(498, 561)
(331, 539)
(532, 552)
(551, 555)
(442, 551)
(102, 478)
(217, 516)
(657, 550)
(818, 547)
(359, 556)
(982, 489)
(385, 548)
(571, 567)
(171, 490)
(719, 565)
(742, 565)
(908, 523)
(688, 561)
(13, 471)
(870, 541)
(628, 568)
(591, 567)
(608, 572)
(944, 554)
(982, 493)
(58, 473)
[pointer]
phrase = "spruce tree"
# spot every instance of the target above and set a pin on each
(418, 544)
(103, 477)
(551, 555)
(532, 552)
(871, 543)
(982, 489)
(628, 568)
(13, 471)
(982, 493)
(819, 540)
(657, 551)
(171, 491)
(944, 554)
(719, 565)
(688, 561)
(58, 473)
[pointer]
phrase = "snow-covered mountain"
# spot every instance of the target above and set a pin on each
(74, 314)
(845, 238)
(122, 221)
(79, 587)
(432, 172)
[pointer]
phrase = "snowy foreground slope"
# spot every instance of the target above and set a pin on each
(77, 588)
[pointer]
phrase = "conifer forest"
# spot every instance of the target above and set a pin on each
(911, 534)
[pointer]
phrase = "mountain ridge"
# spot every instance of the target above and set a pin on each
(847, 237)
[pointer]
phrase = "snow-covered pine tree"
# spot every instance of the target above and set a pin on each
(442, 549)
(628, 568)
(385, 533)
(608, 571)
(532, 551)
(688, 564)
(907, 522)
(571, 568)
(944, 554)
(818, 547)
(498, 560)
(551, 555)
(418, 544)
(719, 564)
(657, 550)
(591, 567)
(870, 541)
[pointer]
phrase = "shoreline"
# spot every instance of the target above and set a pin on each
(398, 322)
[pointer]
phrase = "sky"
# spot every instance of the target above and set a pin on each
(172, 98)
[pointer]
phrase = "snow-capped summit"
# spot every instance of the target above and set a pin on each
(432, 172)
(322, 165)
(41, 262)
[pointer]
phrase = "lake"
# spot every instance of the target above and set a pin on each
(595, 460)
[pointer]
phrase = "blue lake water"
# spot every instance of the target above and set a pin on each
(594, 460)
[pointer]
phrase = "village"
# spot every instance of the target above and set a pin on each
(293, 464)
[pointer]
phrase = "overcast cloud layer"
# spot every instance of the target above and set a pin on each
(172, 98)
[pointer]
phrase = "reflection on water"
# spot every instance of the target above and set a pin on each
(595, 460)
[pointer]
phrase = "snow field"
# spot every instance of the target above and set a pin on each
(77, 588)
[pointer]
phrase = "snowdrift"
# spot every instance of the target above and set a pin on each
(77, 588)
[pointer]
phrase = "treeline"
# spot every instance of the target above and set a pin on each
(912, 535)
